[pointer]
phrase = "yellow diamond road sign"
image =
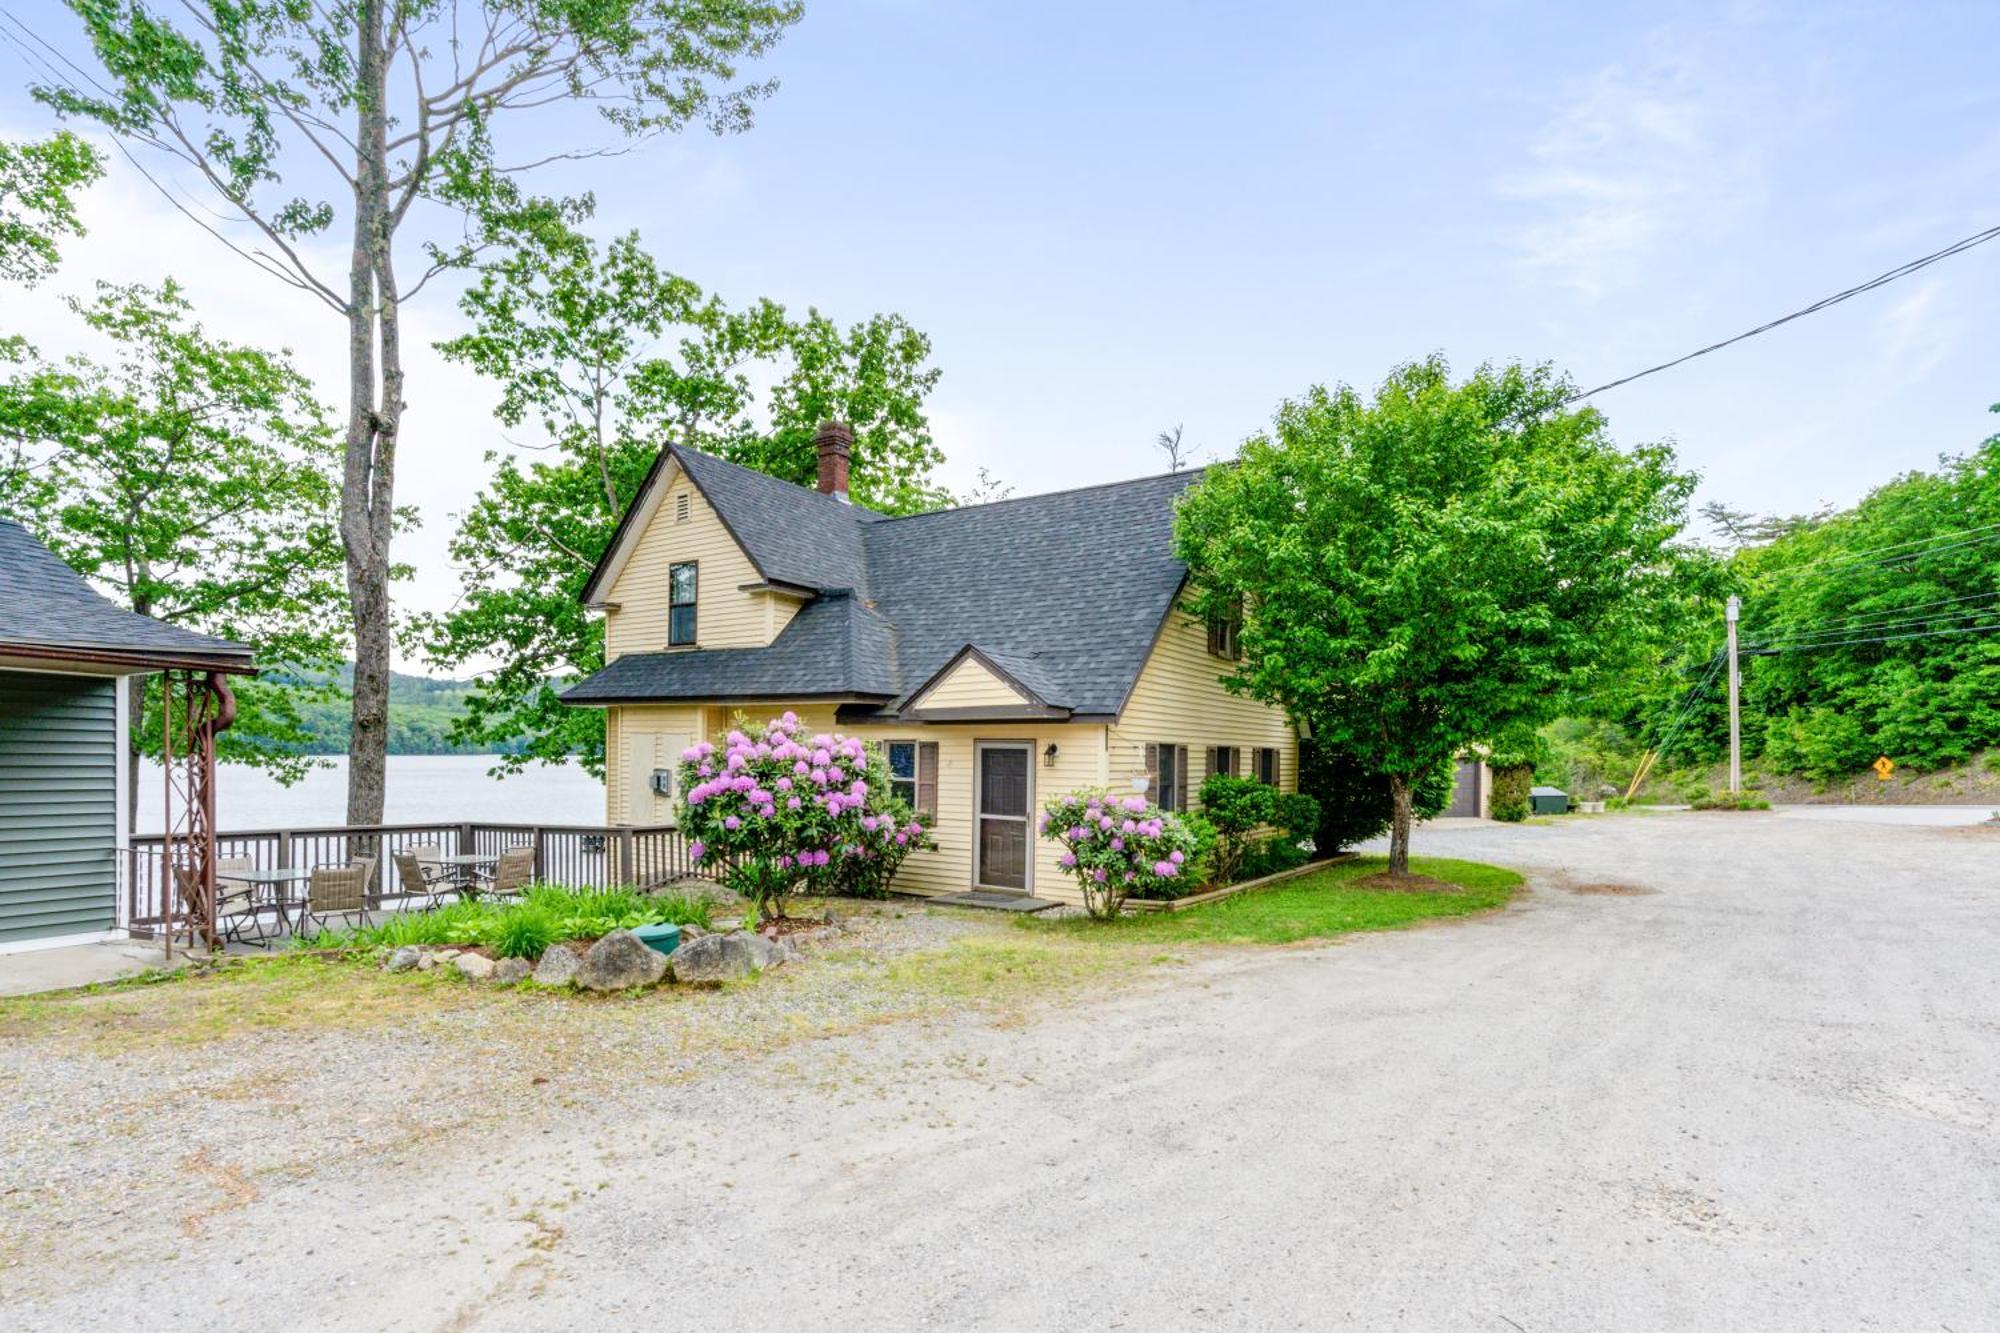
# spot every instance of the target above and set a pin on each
(1884, 767)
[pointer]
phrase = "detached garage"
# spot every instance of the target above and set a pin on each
(64, 649)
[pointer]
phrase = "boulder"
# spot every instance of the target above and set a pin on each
(558, 966)
(620, 961)
(404, 959)
(721, 957)
(426, 961)
(512, 971)
(691, 931)
(476, 967)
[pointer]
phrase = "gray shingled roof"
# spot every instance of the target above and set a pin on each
(1065, 592)
(834, 646)
(791, 533)
(46, 604)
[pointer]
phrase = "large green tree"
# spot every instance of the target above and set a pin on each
(338, 119)
(39, 181)
(601, 357)
(194, 478)
(1425, 569)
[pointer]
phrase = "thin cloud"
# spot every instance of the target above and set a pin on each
(1632, 161)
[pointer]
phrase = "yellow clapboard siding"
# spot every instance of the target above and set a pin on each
(1080, 757)
(970, 684)
(1179, 700)
(725, 615)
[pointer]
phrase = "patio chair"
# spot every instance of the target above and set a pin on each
(237, 903)
(338, 892)
(421, 877)
(513, 872)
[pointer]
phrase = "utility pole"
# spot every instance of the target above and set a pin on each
(1730, 614)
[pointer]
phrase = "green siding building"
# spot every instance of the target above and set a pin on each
(64, 649)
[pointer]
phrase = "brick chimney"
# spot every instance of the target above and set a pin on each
(835, 445)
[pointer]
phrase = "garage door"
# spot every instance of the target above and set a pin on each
(58, 812)
(1465, 790)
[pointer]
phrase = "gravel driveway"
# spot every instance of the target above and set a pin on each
(1711, 1071)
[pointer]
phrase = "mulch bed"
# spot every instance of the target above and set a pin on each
(1384, 882)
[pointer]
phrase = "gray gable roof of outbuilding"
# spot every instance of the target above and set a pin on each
(1065, 592)
(44, 604)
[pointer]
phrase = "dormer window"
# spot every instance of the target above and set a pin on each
(681, 584)
(683, 507)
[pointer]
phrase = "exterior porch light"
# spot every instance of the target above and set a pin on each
(1049, 756)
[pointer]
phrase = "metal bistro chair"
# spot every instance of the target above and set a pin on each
(338, 892)
(237, 902)
(513, 872)
(421, 876)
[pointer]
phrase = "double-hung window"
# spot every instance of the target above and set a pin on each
(903, 772)
(913, 769)
(681, 586)
(1167, 766)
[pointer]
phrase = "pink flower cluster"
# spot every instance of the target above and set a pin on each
(1117, 845)
(791, 801)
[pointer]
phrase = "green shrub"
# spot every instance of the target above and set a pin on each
(1237, 808)
(522, 931)
(1296, 814)
(1818, 743)
(1510, 803)
(1722, 800)
(869, 876)
(1354, 804)
(1273, 855)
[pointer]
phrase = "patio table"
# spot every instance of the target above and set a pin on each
(273, 885)
(467, 869)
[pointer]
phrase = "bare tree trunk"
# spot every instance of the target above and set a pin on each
(367, 504)
(1399, 824)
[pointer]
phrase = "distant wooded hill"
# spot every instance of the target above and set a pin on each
(421, 713)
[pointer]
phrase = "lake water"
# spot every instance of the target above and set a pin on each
(422, 788)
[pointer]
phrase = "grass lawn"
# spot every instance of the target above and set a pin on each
(1038, 959)
(1007, 963)
(1311, 907)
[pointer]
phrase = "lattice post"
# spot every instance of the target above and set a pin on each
(205, 707)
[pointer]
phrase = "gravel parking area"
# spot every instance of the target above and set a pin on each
(1710, 1071)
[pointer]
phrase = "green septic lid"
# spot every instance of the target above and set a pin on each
(662, 937)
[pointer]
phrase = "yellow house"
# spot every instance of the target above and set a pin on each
(997, 653)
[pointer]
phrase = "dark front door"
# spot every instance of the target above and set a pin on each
(1465, 790)
(1003, 817)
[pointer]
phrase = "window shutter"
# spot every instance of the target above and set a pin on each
(1153, 772)
(1209, 759)
(927, 766)
(1180, 777)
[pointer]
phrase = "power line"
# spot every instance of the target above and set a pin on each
(1894, 555)
(1773, 649)
(1880, 280)
(1836, 629)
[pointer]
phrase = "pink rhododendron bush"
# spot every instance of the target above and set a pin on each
(790, 813)
(1120, 847)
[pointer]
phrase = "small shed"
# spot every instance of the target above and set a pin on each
(1548, 800)
(64, 649)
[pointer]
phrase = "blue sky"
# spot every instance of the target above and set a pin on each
(1112, 218)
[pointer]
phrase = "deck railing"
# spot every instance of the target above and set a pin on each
(581, 855)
